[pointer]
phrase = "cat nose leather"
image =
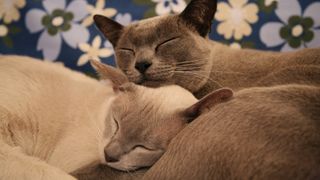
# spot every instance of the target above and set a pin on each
(110, 159)
(142, 66)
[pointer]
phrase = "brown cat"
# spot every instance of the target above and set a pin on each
(175, 49)
(262, 133)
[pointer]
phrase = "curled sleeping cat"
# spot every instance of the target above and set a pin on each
(54, 121)
(262, 133)
(175, 49)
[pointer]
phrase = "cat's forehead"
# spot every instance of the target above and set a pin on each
(151, 30)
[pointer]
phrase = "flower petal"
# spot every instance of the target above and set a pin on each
(315, 42)
(109, 12)
(250, 13)
(124, 19)
(79, 9)
(20, 3)
(84, 58)
(105, 52)
(51, 5)
(270, 34)
(286, 9)
(161, 9)
(11, 15)
(313, 11)
(179, 6)
(50, 45)
(223, 12)
(225, 28)
(238, 3)
(84, 47)
(33, 20)
(77, 34)
(287, 48)
(100, 4)
(87, 21)
(96, 43)
(244, 29)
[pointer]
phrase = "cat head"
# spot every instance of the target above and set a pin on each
(170, 49)
(146, 119)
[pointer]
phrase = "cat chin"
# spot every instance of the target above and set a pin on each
(121, 167)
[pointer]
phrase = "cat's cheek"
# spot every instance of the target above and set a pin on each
(124, 59)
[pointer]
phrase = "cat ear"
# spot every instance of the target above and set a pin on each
(109, 73)
(207, 102)
(110, 29)
(199, 14)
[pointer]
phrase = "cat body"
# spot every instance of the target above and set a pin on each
(261, 133)
(175, 49)
(50, 117)
(54, 121)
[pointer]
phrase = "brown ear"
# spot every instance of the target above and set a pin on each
(199, 15)
(106, 72)
(110, 29)
(207, 102)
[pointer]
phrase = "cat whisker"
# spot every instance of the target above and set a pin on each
(199, 76)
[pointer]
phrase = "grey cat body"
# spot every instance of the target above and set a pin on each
(262, 133)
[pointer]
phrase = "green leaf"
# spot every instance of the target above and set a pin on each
(295, 42)
(150, 13)
(285, 32)
(307, 22)
(267, 9)
(7, 41)
(294, 20)
(248, 45)
(14, 30)
(307, 36)
(143, 2)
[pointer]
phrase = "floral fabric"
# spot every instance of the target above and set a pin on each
(63, 30)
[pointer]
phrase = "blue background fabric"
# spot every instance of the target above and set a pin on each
(62, 31)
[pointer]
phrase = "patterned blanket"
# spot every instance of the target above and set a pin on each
(63, 30)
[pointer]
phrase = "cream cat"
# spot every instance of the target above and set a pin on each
(54, 121)
(175, 49)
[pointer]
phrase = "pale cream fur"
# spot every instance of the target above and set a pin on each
(54, 121)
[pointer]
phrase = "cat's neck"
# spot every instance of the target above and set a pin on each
(239, 69)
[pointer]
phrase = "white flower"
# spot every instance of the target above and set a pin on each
(9, 10)
(236, 17)
(296, 30)
(169, 6)
(56, 23)
(124, 19)
(93, 51)
(235, 45)
(98, 9)
(3, 30)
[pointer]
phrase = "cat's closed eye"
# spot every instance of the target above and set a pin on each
(166, 42)
(143, 147)
(127, 50)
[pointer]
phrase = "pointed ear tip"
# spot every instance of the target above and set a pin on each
(227, 92)
(97, 17)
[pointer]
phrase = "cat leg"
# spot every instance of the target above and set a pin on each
(15, 165)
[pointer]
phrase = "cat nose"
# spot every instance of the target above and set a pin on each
(142, 66)
(110, 159)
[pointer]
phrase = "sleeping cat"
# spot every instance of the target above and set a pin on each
(175, 49)
(54, 121)
(262, 133)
